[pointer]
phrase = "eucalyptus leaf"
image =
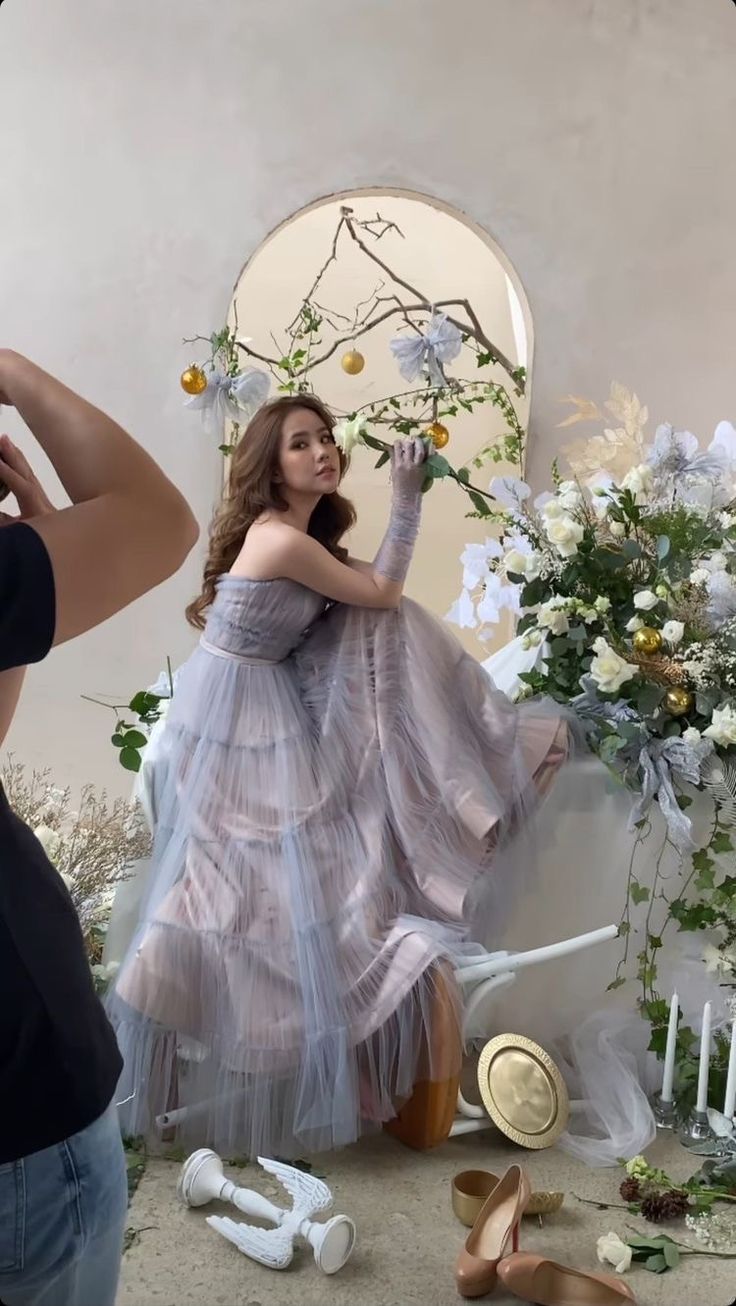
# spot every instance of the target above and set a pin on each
(130, 758)
(135, 739)
(656, 1263)
(480, 504)
(437, 466)
(671, 1254)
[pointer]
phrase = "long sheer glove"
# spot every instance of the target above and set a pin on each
(407, 476)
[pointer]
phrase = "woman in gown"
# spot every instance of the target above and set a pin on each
(342, 800)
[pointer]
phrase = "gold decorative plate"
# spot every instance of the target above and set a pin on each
(523, 1091)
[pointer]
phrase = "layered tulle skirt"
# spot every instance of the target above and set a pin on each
(333, 833)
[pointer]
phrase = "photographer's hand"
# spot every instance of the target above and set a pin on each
(18, 475)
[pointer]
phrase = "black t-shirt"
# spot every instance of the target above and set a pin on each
(59, 1061)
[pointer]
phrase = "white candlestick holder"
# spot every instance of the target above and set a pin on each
(202, 1180)
(697, 1135)
(665, 1113)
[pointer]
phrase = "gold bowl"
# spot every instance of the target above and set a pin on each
(472, 1188)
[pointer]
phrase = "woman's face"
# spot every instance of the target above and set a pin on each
(309, 462)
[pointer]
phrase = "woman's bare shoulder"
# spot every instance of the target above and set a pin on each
(267, 545)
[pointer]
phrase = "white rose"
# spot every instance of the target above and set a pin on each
(551, 509)
(673, 631)
(535, 638)
(569, 495)
(565, 534)
(348, 433)
(602, 604)
(639, 481)
(553, 617)
(49, 840)
(645, 600)
(635, 623)
(106, 971)
(617, 529)
(607, 669)
(699, 576)
(521, 564)
(722, 729)
(691, 735)
(613, 1251)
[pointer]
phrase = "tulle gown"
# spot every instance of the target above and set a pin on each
(341, 803)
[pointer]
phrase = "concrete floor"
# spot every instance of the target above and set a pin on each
(408, 1237)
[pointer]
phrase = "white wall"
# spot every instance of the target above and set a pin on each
(149, 147)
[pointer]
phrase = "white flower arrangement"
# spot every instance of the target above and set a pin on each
(624, 576)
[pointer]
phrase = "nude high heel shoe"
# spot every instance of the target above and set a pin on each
(535, 1279)
(497, 1225)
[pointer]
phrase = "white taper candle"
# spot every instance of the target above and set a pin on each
(668, 1078)
(729, 1105)
(704, 1067)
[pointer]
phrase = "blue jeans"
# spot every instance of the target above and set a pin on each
(62, 1217)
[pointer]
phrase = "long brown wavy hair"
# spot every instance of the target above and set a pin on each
(252, 490)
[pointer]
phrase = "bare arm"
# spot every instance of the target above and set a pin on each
(11, 683)
(282, 552)
(128, 529)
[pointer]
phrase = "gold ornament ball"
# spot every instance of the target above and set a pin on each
(193, 380)
(647, 641)
(353, 362)
(678, 701)
(438, 434)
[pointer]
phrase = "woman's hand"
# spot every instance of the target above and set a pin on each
(407, 467)
(17, 475)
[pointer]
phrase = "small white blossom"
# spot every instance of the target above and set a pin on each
(638, 1167)
(673, 631)
(552, 616)
(639, 480)
(611, 1250)
(645, 600)
(49, 840)
(510, 491)
(635, 623)
(462, 612)
(617, 529)
(722, 729)
(569, 496)
(699, 576)
(607, 669)
(350, 433)
(476, 560)
(692, 735)
(602, 604)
